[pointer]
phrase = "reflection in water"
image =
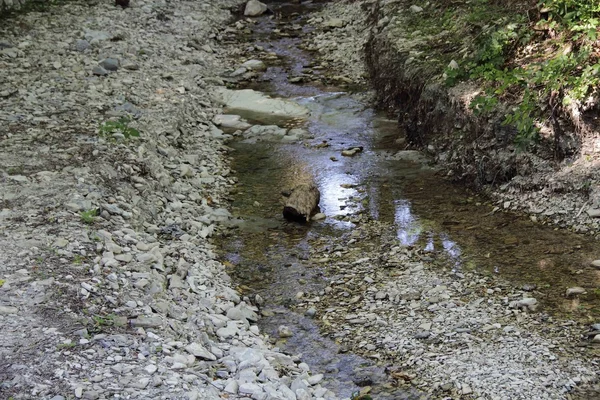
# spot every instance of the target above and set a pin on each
(411, 229)
(334, 196)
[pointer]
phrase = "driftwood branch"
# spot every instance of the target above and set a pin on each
(301, 203)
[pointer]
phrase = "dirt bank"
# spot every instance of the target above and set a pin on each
(407, 62)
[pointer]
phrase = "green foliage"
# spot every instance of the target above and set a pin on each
(88, 216)
(571, 70)
(62, 346)
(523, 117)
(110, 128)
(358, 396)
(574, 11)
(453, 76)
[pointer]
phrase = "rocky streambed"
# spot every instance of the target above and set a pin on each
(119, 164)
(421, 288)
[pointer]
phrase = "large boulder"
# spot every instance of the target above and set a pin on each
(254, 8)
(258, 107)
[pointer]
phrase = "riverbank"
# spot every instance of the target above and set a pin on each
(114, 178)
(407, 61)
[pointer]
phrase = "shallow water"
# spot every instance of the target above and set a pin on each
(266, 253)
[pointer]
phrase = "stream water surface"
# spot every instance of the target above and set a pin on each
(265, 254)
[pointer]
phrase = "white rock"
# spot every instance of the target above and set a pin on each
(318, 217)
(575, 291)
(230, 122)
(284, 332)
(313, 380)
(7, 310)
(257, 106)
(232, 387)
(255, 65)
(199, 351)
(254, 8)
(334, 23)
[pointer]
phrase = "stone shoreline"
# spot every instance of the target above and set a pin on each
(113, 180)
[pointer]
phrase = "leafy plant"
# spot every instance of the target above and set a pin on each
(69, 345)
(110, 128)
(88, 216)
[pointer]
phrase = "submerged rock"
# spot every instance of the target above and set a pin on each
(254, 65)
(284, 332)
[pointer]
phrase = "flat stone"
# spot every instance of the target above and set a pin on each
(230, 122)
(110, 64)
(352, 151)
(130, 65)
(318, 217)
(60, 242)
(232, 387)
(311, 312)
(151, 368)
(255, 65)
(595, 264)
(572, 291)
(227, 332)
(259, 107)
(91, 395)
(97, 36)
(334, 23)
(594, 212)
(422, 335)
(313, 380)
(99, 71)
(199, 351)
(146, 322)
(466, 389)
(242, 312)
(7, 310)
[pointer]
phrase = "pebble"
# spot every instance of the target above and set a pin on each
(311, 312)
(572, 291)
(199, 351)
(99, 71)
(284, 332)
(110, 64)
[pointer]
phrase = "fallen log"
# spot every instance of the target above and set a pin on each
(302, 202)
